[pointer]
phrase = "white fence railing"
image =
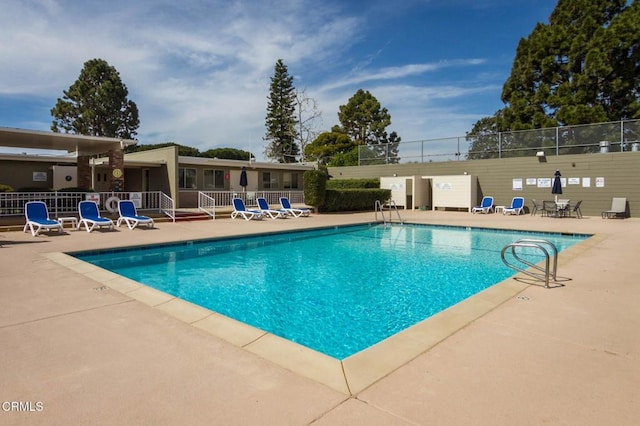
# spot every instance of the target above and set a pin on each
(223, 198)
(66, 203)
(61, 203)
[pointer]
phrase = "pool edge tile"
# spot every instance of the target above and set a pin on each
(235, 332)
(183, 310)
(301, 360)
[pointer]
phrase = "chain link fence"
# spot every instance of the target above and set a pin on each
(583, 139)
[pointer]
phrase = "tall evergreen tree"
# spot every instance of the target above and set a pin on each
(281, 117)
(582, 67)
(365, 121)
(96, 104)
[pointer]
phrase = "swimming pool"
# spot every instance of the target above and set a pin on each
(336, 290)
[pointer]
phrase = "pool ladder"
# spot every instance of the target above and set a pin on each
(541, 245)
(390, 207)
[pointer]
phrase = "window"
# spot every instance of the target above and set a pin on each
(290, 180)
(270, 180)
(187, 178)
(214, 179)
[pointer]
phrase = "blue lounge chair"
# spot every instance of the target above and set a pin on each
(517, 206)
(240, 210)
(265, 210)
(486, 206)
(90, 216)
(38, 220)
(295, 212)
(129, 215)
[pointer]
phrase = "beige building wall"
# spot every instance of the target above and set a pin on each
(593, 178)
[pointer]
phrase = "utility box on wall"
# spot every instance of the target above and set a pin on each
(64, 177)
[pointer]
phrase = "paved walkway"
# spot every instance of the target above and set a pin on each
(75, 351)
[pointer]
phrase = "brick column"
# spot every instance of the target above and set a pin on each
(84, 172)
(116, 166)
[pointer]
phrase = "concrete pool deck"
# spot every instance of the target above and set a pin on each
(81, 346)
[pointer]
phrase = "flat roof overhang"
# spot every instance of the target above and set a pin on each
(78, 144)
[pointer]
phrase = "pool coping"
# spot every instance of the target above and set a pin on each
(349, 376)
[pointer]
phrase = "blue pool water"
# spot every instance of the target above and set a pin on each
(336, 290)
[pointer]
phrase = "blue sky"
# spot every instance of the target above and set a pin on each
(199, 70)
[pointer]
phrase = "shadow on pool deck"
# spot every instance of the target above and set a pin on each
(91, 354)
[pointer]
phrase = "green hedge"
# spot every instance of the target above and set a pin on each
(353, 183)
(345, 200)
(315, 183)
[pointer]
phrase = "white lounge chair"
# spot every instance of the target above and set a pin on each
(295, 212)
(486, 206)
(618, 208)
(263, 205)
(38, 220)
(516, 207)
(90, 216)
(240, 210)
(129, 215)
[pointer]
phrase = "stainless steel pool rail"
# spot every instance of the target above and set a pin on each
(538, 245)
(390, 207)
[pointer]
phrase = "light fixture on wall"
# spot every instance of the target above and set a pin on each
(541, 157)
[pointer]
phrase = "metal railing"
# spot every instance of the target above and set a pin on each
(224, 198)
(618, 136)
(539, 245)
(168, 206)
(62, 203)
(207, 204)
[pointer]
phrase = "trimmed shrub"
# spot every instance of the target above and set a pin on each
(353, 183)
(344, 200)
(315, 183)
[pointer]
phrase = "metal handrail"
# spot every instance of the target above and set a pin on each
(207, 204)
(168, 206)
(391, 206)
(537, 244)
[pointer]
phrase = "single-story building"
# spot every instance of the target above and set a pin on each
(109, 170)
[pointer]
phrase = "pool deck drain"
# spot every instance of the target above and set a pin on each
(95, 355)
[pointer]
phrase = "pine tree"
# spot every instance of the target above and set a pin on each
(96, 104)
(281, 117)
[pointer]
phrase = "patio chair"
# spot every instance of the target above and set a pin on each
(129, 215)
(517, 206)
(295, 212)
(486, 206)
(576, 209)
(618, 208)
(37, 216)
(535, 207)
(264, 208)
(90, 216)
(549, 208)
(239, 209)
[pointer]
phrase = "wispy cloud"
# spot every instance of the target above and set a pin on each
(200, 70)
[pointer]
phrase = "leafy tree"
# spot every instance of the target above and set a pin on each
(327, 145)
(364, 121)
(227, 154)
(96, 104)
(582, 67)
(281, 117)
